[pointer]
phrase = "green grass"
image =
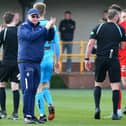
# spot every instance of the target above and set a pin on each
(73, 108)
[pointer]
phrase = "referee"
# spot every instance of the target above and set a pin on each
(108, 37)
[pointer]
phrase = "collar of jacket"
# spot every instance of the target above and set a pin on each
(29, 22)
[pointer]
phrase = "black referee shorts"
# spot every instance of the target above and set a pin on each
(9, 73)
(104, 65)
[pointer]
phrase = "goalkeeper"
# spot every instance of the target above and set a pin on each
(43, 92)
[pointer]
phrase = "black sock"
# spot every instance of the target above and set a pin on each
(3, 99)
(97, 96)
(115, 99)
(16, 99)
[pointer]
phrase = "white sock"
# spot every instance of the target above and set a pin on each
(119, 112)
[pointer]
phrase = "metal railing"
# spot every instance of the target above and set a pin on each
(80, 54)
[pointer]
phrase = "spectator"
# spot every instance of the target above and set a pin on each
(66, 29)
(8, 66)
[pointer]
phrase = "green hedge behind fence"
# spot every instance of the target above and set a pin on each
(57, 81)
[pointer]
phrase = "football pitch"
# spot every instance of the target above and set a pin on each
(73, 108)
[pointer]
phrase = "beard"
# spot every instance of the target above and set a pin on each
(118, 20)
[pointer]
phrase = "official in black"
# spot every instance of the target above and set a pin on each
(107, 36)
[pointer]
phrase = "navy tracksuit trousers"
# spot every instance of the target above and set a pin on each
(30, 78)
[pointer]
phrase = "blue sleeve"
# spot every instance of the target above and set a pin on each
(57, 43)
(28, 34)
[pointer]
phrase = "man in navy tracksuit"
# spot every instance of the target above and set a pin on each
(31, 37)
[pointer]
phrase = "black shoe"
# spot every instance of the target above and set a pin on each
(14, 116)
(51, 115)
(124, 111)
(97, 113)
(36, 119)
(3, 114)
(31, 120)
(43, 119)
(115, 117)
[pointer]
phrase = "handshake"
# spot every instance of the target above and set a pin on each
(51, 23)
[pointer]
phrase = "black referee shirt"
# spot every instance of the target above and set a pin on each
(108, 36)
(10, 45)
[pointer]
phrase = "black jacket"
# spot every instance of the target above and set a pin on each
(66, 29)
